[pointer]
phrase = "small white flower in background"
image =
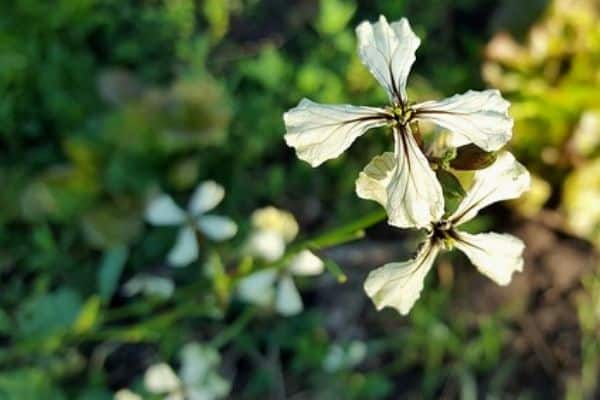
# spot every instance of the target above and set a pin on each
(163, 211)
(346, 356)
(497, 256)
(149, 285)
(126, 394)
(321, 132)
(198, 377)
(274, 287)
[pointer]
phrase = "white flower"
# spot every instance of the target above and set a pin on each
(164, 211)
(198, 377)
(273, 287)
(497, 256)
(149, 285)
(126, 394)
(321, 132)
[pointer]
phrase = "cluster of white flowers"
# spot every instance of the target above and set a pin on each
(403, 181)
(198, 377)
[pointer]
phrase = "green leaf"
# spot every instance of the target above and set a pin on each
(48, 315)
(28, 384)
(334, 15)
(88, 316)
(450, 184)
(110, 271)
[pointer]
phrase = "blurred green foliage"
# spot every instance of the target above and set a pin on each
(104, 103)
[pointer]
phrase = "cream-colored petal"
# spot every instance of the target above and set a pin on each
(374, 179)
(415, 197)
(206, 197)
(321, 132)
(164, 211)
(481, 117)
(288, 301)
(273, 219)
(388, 51)
(160, 378)
(495, 255)
(185, 250)
(306, 263)
(399, 285)
(268, 245)
(258, 288)
(216, 227)
(505, 179)
(126, 394)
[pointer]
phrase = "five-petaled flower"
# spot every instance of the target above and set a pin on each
(321, 132)
(163, 211)
(497, 256)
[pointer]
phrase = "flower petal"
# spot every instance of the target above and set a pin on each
(374, 179)
(217, 227)
(496, 256)
(399, 285)
(164, 211)
(150, 285)
(268, 245)
(185, 250)
(321, 132)
(414, 195)
(481, 117)
(206, 197)
(306, 263)
(126, 394)
(388, 51)
(257, 288)
(288, 301)
(504, 179)
(160, 378)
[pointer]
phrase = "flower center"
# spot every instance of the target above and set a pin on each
(402, 115)
(442, 231)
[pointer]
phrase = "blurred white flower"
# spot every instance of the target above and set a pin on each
(126, 394)
(163, 211)
(321, 132)
(497, 256)
(344, 356)
(149, 285)
(198, 377)
(274, 287)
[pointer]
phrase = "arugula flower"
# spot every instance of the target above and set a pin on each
(275, 287)
(497, 256)
(163, 211)
(321, 132)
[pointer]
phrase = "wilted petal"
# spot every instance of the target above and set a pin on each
(496, 256)
(164, 211)
(399, 285)
(217, 227)
(288, 301)
(185, 250)
(306, 263)
(206, 197)
(414, 194)
(504, 179)
(257, 288)
(388, 51)
(160, 378)
(321, 132)
(481, 117)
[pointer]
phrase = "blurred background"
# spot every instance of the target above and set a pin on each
(105, 103)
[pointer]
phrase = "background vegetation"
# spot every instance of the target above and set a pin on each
(104, 103)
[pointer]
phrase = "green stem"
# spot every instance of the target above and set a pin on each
(235, 328)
